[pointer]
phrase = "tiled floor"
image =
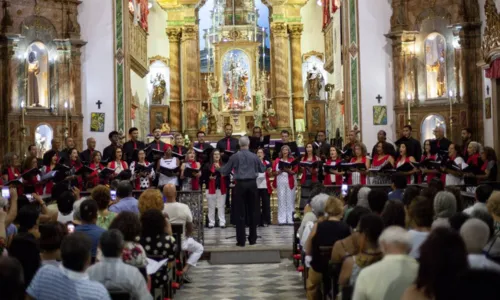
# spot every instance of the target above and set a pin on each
(272, 236)
(242, 282)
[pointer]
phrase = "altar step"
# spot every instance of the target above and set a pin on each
(256, 254)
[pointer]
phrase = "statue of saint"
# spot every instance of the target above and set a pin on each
(203, 119)
(314, 83)
(33, 72)
(159, 89)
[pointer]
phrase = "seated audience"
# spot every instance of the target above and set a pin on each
(445, 206)
(51, 236)
(179, 213)
(437, 184)
(457, 192)
(129, 225)
(457, 220)
(69, 280)
(482, 193)
(11, 279)
(476, 284)
(309, 215)
(420, 222)
(317, 211)
(410, 193)
(370, 227)
(363, 197)
(102, 196)
(88, 214)
(398, 186)
(113, 273)
(442, 259)
(394, 214)
(325, 233)
(150, 199)
(65, 207)
(125, 200)
(349, 245)
(486, 218)
(399, 270)
(352, 199)
(492, 249)
(476, 234)
(377, 200)
(157, 240)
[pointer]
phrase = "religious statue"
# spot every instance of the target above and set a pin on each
(435, 60)
(236, 81)
(314, 83)
(159, 89)
(203, 119)
(337, 141)
(165, 128)
(270, 121)
(33, 72)
(140, 11)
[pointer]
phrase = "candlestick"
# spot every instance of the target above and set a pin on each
(22, 113)
(409, 109)
(263, 49)
(66, 112)
(255, 27)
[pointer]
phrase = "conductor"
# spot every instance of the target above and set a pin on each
(246, 167)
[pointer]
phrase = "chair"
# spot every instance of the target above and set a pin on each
(328, 283)
(116, 294)
(167, 290)
(296, 244)
(177, 230)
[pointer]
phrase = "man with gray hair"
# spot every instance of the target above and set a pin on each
(475, 234)
(317, 204)
(399, 270)
(113, 273)
(246, 166)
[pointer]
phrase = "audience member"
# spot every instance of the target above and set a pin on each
(24, 248)
(150, 199)
(486, 218)
(457, 192)
(179, 213)
(442, 259)
(11, 279)
(317, 210)
(65, 207)
(399, 270)
(28, 219)
(420, 221)
(352, 199)
(69, 280)
(437, 184)
(349, 245)
(88, 214)
(428, 192)
(113, 273)
(363, 197)
(125, 200)
(129, 225)
(398, 186)
(457, 220)
(324, 233)
(492, 249)
(410, 193)
(476, 284)
(394, 214)
(370, 227)
(102, 196)
(157, 239)
(482, 193)
(309, 215)
(377, 200)
(445, 206)
(476, 234)
(51, 236)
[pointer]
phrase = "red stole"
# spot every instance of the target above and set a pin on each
(407, 160)
(378, 162)
(14, 175)
(113, 164)
(328, 178)
(484, 166)
(430, 176)
(49, 184)
(77, 165)
(211, 183)
(291, 180)
(473, 160)
(314, 173)
(362, 177)
(268, 180)
(94, 176)
(195, 182)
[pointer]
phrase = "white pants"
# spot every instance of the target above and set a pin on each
(216, 200)
(286, 200)
(195, 248)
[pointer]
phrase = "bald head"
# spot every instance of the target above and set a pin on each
(170, 192)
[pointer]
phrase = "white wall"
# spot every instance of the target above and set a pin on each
(157, 39)
(376, 68)
(488, 123)
(97, 66)
(312, 36)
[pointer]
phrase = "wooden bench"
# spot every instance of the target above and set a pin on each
(180, 258)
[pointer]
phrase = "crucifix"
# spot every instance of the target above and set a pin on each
(378, 98)
(488, 90)
(98, 103)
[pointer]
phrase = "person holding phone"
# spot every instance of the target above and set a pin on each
(216, 191)
(265, 189)
(188, 183)
(285, 184)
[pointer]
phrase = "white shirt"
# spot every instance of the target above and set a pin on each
(261, 181)
(453, 180)
(64, 218)
(476, 206)
(178, 213)
(170, 163)
(480, 262)
(387, 279)
(418, 237)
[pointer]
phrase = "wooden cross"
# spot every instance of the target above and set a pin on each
(98, 103)
(378, 98)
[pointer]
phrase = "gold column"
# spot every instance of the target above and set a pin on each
(295, 31)
(190, 66)
(174, 37)
(281, 81)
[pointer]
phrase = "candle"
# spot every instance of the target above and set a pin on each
(409, 108)
(66, 112)
(255, 27)
(22, 113)
(451, 103)
(263, 49)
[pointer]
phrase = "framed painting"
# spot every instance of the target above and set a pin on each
(487, 107)
(97, 122)
(379, 115)
(315, 115)
(159, 117)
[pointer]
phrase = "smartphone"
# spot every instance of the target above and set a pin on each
(71, 228)
(113, 195)
(6, 192)
(344, 190)
(30, 198)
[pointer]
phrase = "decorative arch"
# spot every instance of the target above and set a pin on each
(435, 48)
(429, 123)
(431, 13)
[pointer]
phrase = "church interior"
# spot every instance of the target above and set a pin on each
(81, 69)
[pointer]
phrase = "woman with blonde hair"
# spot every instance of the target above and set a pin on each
(328, 230)
(285, 184)
(150, 199)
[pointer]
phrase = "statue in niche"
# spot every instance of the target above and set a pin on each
(435, 60)
(203, 118)
(314, 83)
(33, 73)
(159, 89)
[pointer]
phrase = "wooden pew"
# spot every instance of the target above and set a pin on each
(180, 258)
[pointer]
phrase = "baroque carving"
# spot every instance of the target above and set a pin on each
(189, 32)
(279, 29)
(174, 34)
(163, 59)
(319, 55)
(295, 30)
(491, 37)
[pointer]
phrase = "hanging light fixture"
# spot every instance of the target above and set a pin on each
(319, 2)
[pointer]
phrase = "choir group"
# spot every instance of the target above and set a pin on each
(158, 163)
